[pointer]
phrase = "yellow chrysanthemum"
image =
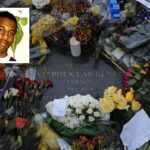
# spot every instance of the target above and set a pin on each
(27, 2)
(129, 96)
(122, 104)
(73, 20)
(95, 10)
(137, 66)
(142, 71)
(146, 65)
(66, 24)
(110, 91)
(135, 105)
(107, 105)
(35, 39)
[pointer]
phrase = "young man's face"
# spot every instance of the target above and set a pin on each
(8, 29)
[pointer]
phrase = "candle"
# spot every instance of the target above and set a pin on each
(75, 47)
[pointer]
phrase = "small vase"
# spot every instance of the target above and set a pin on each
(20, 122)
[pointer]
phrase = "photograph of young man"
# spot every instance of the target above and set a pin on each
(8, 28)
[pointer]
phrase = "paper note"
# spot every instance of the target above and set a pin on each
(136, 132)
(59, 108)
(118, 53)
(145, 3)
(63, 144)
(30, 73)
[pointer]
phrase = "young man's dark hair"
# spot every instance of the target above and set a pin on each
(6, 14)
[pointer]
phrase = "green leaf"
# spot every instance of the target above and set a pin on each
(132, 82)
(137, 76)
(18, 37)
(24, 21)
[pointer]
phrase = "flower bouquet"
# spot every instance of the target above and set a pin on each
(20, 103)
(137, 77)
(80, 20)
(82, 117)
(22, 100)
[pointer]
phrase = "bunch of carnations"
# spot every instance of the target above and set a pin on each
(24, 98)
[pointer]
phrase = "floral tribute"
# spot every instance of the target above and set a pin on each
(80, 109)
(45, 26)
(89, 117)
(76, 18)
(114, 99)
(135, 75)
(24, 98)
(84, 21)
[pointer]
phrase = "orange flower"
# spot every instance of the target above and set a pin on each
(129, 96)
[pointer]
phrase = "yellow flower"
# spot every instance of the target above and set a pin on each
(110, 91)
(119, 91)
(117, 97)
(43, 147)
(73, 20)
(66, 24)
(146, 65)
(129, 96)
(35, 39)
(27, 2)
(142, 71)
(135, 105)
(137, 66)
(107, 105)
(122, 104)
(95, 10)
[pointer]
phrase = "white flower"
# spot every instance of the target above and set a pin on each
(78, 111)
(89, 111)
(96, 114)
(92, 105)
(40, 3)
(49, 107)
(106, 116)
(91, 118)
(82, 117)
(13, 91)
(6, 95)
(38, 118)
(95, 10)
(69, 111)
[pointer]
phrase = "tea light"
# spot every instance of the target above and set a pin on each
(75, 47)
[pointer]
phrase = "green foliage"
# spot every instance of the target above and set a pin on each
(19, 34)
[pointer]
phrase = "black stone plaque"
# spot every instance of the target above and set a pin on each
(76, 75)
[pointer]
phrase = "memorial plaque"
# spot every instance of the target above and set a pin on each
(76, 75)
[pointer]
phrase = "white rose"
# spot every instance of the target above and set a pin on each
(82, 117)
(69, 111)
(96, 114)
(92, 105)
(91, 118)
(49, 107)
(13, 91)
(78, 111)
(89, 111)
(6, 95)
